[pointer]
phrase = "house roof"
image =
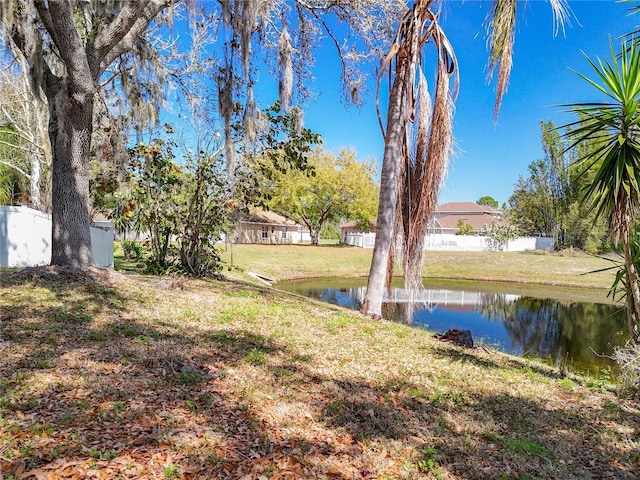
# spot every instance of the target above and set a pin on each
(466, 207)
(450, 222)
(356, 223)
(448, 214)
(267, 218)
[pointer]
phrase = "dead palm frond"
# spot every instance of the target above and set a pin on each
(419, 135)
(427, 144)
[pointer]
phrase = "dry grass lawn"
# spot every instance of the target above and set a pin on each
(289, 262)
(121, 376)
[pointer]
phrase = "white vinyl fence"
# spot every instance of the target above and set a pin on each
(25, 239)
(451, 242)
(362, 240)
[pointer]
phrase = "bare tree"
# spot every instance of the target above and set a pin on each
(23, 118)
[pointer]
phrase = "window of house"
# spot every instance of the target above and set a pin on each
(265, 232)
(284, 233)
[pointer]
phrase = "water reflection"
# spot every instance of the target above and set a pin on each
(582, 335)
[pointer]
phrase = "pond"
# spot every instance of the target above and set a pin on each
(555, 324)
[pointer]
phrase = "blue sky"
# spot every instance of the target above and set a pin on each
(488, 157)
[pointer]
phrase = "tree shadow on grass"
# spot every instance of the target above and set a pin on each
(154, 401)
(56, 313)
(135, 398)
(75, 296)
(542, 438)
(127, 397)
(484, 436)
(460, 354)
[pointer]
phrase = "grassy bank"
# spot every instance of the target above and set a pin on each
(116, 376)
(288, 262)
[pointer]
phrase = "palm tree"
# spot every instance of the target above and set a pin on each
(613, 124)
(419, 135)
(407, 103)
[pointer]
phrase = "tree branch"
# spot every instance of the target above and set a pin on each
(120, 35)
(11, 118)
(68, 43)
(45, 16)
(327, 5)
(17, 169)
(114, 32)
(325, 213)
(30, 47)
(26, 139)
(343, 65)
(306, 221)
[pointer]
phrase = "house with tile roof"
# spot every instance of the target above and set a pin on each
(446, 217)
(261, 226)
(442, 230)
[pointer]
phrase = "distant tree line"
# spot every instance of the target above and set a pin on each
(549, 200)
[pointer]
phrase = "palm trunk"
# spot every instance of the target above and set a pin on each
(389, 189)
(633, 292)
(70, 130)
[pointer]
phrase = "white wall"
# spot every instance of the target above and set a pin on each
(531, 243)
(25, 239)
(451, 242)
(102, 246)
(360, 239)
(301, 236)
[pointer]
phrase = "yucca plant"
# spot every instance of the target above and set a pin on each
(615, 189)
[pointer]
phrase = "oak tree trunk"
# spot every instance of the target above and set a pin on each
(70, 127)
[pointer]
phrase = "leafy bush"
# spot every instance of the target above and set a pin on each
(180, 206)
(330, 232)
(498, 235)
(132, 249)
(463, 228)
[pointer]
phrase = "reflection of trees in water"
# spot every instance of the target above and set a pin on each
(542, 327)
(496, 306)
(548, 328)
(345, 297)
(534, 325)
